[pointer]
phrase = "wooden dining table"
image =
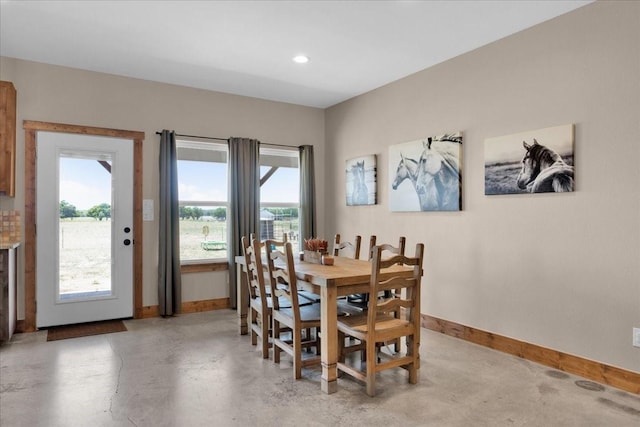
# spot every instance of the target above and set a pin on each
(347, 276)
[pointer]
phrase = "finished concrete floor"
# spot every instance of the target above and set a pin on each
(195, 370)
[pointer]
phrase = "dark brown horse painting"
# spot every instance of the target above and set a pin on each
(544, 165)
(544, 171)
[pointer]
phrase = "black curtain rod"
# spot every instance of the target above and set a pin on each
(196, 136)
(226, 139)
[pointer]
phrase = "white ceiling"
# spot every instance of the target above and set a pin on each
(245, 47)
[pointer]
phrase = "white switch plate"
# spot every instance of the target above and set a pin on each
(147, 210)
(636, 337)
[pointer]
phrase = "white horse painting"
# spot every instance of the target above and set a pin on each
(361, 181)
(432, 166)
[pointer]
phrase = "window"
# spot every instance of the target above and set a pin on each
(279, 194)
(202, 189)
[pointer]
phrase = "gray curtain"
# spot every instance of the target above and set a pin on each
(243, 217)
(169, 279)
(307, 193)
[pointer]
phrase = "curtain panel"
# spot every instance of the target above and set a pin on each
(243, 217)
(169, 278)
(307, 193)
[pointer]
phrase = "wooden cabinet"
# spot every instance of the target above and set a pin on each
(7, 139)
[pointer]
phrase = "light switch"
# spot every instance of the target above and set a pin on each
(147, 210)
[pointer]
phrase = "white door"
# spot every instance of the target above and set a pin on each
(84, 228)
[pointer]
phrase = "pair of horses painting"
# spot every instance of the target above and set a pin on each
(538, 161)
(426, 174)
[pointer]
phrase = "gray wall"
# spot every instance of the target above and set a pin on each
(557, 270)
(561, 271)
(65, 95)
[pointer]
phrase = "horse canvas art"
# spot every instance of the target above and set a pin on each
(361, 181)
(431, 168)
(538, 161)
(543, 170)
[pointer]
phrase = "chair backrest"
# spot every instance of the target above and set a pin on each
(284, 237)
(347, 249)
(282, 275)
(276, 243)
(411, 300)
(254, 269)
(387, 248)
(372, 243)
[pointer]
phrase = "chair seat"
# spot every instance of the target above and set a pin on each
(309, 296)
(284, 303)
(386, 326)
(306, 298)
(311, 311)
(346, 309)
(308, 313)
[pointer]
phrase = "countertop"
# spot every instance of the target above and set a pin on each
(9, 245)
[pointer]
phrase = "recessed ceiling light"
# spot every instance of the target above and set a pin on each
(301, 59)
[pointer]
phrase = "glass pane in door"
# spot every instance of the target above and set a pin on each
(85, 231)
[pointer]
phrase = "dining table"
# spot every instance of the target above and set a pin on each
(345, 277)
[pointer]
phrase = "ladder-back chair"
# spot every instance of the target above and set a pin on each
(379, 324)
(296, 318)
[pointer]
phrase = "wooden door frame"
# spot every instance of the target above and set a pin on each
(31, 128)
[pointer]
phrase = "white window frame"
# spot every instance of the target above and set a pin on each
(218, 152)
(271, 156)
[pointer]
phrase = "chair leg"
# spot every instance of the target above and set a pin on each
(317, 341)
(396, 345)
(412, 349)
(341, 338)
(275, 330)
(371, 368)
(296, 336)
(265, 334)
(254, 317)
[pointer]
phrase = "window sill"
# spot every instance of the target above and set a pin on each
(204, 266)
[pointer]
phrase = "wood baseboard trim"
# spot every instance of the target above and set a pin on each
(19, 327)
(150, 311)
(596, 371)
(154, 311)
(204, 267)
(205, 305)
(190, 307)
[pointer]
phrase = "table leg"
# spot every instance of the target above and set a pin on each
(329, 341)
(243, 298)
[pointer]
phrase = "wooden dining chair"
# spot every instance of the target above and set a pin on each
(390, 250)
(260, 306)
(379, 324)
(361, 300)
(306, 297)
(347, 249)
(372, 244)
(277, 243)
(297, 318)
(358, 301)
